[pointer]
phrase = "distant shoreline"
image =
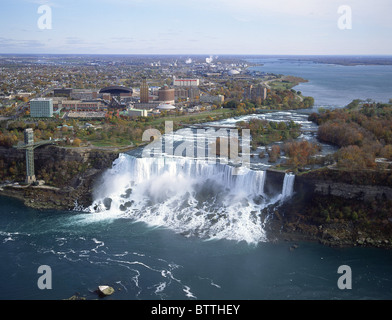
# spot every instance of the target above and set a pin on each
(346, 60)
(338, 60)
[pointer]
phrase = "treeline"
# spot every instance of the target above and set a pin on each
(264, 132)
(286, 100)
(276, 99)
(363, 131)
(113, 130)
(298, 153)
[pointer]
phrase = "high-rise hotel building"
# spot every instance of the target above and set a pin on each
(144, 92)
(41, 108)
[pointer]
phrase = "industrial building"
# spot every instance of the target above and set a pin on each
(41, 108)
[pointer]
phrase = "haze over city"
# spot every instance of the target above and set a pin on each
(196, 27)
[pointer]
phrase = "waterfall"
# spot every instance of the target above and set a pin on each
(288, 186)
(189, 196)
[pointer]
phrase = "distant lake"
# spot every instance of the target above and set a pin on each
(334, 85)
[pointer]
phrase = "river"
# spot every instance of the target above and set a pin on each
(168, 227)
(331, 85)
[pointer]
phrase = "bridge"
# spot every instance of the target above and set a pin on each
(29, 145)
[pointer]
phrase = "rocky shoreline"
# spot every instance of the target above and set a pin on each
(336, 234)
(333, 213)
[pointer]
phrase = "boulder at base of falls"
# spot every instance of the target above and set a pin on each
(104, 291)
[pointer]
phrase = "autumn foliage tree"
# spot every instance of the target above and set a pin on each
(354, 157)
(274, 153)
(362, 130)
(300, 153)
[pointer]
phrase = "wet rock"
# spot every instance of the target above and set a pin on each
(107, 203)
(104, 291)
(126, 205)
(76, 297)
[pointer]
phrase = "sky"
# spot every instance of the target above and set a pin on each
(259, 27)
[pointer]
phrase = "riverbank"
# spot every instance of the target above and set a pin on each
(337, 213)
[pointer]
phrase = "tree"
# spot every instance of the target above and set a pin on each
(77, 142)
(274, 153)
(308, 102)
(300, 152)
(42, 125)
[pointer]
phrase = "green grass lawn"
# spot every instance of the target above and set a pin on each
(195, 117)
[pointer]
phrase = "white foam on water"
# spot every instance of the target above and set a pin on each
(189, 196)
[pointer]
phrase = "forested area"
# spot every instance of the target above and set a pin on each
(363, 131)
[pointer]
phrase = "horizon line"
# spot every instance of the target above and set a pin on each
(206, 54)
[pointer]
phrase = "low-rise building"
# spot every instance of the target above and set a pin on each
(137, 113)
(212, 99)
(82, 94)
(186, 82)
(80, 105)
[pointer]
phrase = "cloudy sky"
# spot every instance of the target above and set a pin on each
(196, 27)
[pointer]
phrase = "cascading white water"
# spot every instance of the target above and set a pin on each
(189, 196)
(288, 186)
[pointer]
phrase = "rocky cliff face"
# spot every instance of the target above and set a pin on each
(336, 212)
(328, 187)
(71, 173)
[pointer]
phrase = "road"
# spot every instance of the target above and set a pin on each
(21, 108)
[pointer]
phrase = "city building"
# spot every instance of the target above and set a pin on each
(116, 90)
(186, 82)
(63, 92)
(80, 105)
(256, 94)
(24, 94)
(81, 94)
(185, 93)
(212, 99)
(117, 103)
(41, 108)
(144, 91)
(137, 113)
(166, 107)
(87, 114)
(166, 95)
